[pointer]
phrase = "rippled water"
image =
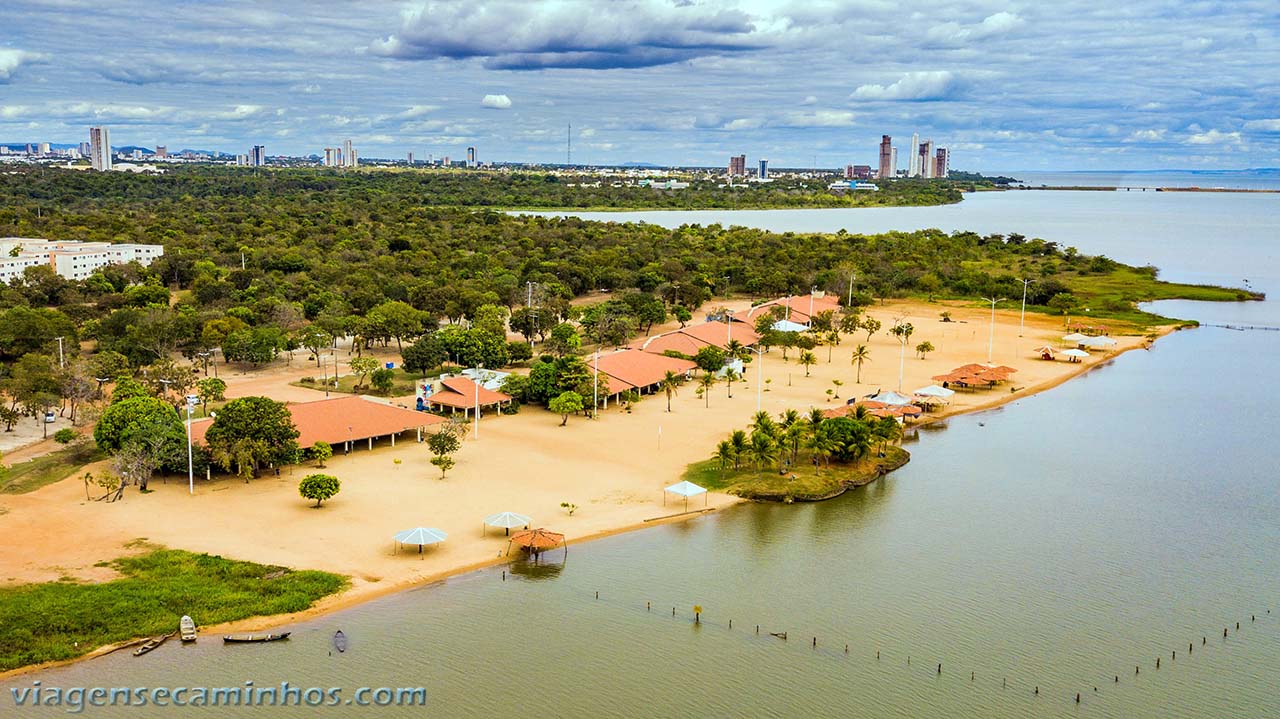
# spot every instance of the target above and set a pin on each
(1057, 543)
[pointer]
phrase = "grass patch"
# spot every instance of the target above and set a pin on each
(53, 467)
(43, 622)
(809, 483)
(402, 383)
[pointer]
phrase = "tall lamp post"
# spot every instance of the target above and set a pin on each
(991, 338)
(475, 433)
(1023, 321)
(595, 384)
(191, 471)
(759, 375)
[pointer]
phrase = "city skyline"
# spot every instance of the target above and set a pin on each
(1009, 86)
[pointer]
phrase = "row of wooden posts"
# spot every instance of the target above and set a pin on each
(1004, 682)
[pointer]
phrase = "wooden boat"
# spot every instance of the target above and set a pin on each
(340, 641)
(264, 637)
(187, 629)
(150, 644)
(780, 635)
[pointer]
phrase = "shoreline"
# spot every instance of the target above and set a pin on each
(364, 591)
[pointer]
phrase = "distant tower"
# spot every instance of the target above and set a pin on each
(162, 151)
(410, 158)
(763, 172)
(258, 156)
(332, 157)
(100, 148)
(942, 163)
(893, 161)
(737, 165)
(568, 144)
(349, 157)
(913, 160)
(886, 157)
(925, 159)
(471, 157)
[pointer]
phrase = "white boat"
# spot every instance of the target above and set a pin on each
(187, 628)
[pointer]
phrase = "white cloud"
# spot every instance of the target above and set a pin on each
(928, 85)
(496, 102)
(1146, 136)
(744, 123)
(810, 100)
(239, 112)
(953, 33)
(416, 111)
(818, 118)
(1271, 125)
(1214, 137)
(11, 59)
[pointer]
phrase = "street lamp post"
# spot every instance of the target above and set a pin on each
(191, 471)
(595, 384)
(759, 376)
(849, 303)
(991, 339)
(476, 416)
(1023, 321)
(61, 359)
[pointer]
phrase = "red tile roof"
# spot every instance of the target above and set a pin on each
(339, 419)
(799, 305)
(688, 340)
(461, 392)
(637, 369)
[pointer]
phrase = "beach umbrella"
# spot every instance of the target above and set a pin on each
(892, 398)
(1097, 342)
(685, 489)
(421, 536)
(1074, 337)
(1075, 354)
(508, 520)
(934, 390)
(536, 540)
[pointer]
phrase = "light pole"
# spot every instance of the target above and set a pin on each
(728, 320)
(191, 471)
(166, 383)
(812, 290)
(991, 339)
(61, 360)
(595, 384)
(849, 303)
(476, 424)
(902, 356)
(1023, 321)
(759, 376)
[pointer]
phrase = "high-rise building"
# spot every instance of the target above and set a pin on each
(924, 159)
(886, 157)
(349, 156)
(258, 156)
(242, 160)
(893, 161)
(44, 148)
(848, 172)
(332, 157)
(161, 152)
(763, 172)
(100, 148)
(85, 149)
(471, 157)
(862, 172)
(941, 162)
(410, 158)
(738, 166)
(913, 160)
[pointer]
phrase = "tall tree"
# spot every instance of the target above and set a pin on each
(258, 426)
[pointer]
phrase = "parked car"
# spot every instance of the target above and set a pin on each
(50, 417)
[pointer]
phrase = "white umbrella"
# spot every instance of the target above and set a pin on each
(421, 536)
(508, 520)
(934, 390)
(1074, 337)
(685, 489)
(1097, 342)
(1075, 353)
(892, 398)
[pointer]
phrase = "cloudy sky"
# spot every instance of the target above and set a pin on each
(1007, 85)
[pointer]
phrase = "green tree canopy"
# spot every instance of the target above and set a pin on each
(262, 427)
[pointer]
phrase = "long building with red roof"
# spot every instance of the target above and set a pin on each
(345, 420)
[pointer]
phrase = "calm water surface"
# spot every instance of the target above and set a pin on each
(1055, 543)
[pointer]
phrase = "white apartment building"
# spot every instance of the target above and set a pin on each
(70, 259)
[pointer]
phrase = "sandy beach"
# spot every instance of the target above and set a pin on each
(613, 468)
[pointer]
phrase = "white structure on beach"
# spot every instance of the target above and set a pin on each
(70, 259)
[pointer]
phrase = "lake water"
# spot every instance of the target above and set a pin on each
(1055, 543)
(1268, 179)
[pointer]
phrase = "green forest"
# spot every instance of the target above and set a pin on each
(257, 263)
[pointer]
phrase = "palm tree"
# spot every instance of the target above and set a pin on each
(820, 446)
(886, 430)
(730, 374)
(808, 360)
(788, 418)
(736, 350)
(833, 339)
(861, 354)
(763, 449)
(838, 384)
(762, 422)
(738, 442)
(726, 455)
(794, 435)
(670, 384)
(705, 383)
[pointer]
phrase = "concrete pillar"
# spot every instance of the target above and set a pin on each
(371, 443)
